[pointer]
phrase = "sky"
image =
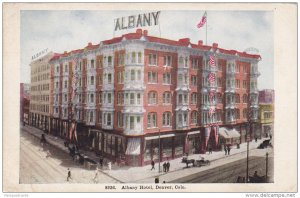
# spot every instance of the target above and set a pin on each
(60, 31)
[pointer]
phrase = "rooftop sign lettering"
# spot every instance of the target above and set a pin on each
(135, 21)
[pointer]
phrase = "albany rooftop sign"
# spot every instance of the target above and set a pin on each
(135, 21)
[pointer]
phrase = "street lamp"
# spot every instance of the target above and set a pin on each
(159, 150)
(267, 154)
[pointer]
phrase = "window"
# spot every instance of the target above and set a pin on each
(245, 69)
(57, 69)
(151, 120)
(139, 75)
(152, 77)
(65, 97)
(120, 98)
(133, 57)
(167, 78)
(138, 98)
(194, 80)
(56, 85)
(194, 98)
(237, 98)
(91, 116)
(152, 59)
(66, 68)
(168, 61)
(132, 75)
(66, 84)
(166, 98)
(237, 68)
(194, 63)
(131, 121)
(108, 119)
(244, 84)
(120, 119)
(121, 59)
(245, 112)
(109, 61)
(100, 98)
(194, 116)
(237, 114)
(109, 100)
(140, 57)
(92, 98)
(92, 63)
(186, 62)
(245, 98)
(109, 78)
(237, 83)
(92, 80)
(152, 98)
(132, 98)
(167, 119)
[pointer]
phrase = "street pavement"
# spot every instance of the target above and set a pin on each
(127, 174)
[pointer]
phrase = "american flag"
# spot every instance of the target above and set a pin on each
(74, 82)
(211, 111)
(211, 78)
(212, 60)
(203, 20)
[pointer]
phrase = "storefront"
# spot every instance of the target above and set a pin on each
(229, 136)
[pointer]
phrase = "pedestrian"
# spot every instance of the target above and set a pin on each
(109, 165)
(152, 164)
(168, 166)
(255, 139)
(69, 175)
(101, 161)
(225, 149)
(210, 150)
(165, 167)
(228, 150)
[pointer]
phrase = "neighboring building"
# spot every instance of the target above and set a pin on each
(266, 112)
(40, 92)
(24, 102)
(136, 89)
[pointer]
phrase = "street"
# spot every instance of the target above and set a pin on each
(228, 173)
(36, 167)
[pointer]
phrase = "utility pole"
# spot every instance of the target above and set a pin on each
(267, 154)
(159, 150)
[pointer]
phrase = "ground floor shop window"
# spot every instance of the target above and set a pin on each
(178, 145)
(167, 148)
(147, 150)
(155, 149)
(194, 144)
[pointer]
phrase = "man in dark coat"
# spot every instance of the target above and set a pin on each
(165, 167)
(152, 164)
(69, 175)
(228, 150)
(168, 166)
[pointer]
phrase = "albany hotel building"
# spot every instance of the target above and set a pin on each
(135, 91)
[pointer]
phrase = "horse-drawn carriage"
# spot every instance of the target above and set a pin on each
(265, 144)
(194, 162)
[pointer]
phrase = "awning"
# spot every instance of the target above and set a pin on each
(193, 132)
(229, 133)
(161, 136)
(133, 146)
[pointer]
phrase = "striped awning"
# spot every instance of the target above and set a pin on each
(133, 146)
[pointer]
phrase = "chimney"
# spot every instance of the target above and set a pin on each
(139, 31)
(184, 40)
(200, 43)
(215, 45)
(89, 44)
(145, 32)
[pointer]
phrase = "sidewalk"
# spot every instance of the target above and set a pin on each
(144, 174)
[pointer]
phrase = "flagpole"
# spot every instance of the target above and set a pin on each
(206, 29)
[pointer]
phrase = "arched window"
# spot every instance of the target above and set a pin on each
(167, 119)
(194, 116)
(245, 98)
(237, 98)
(237, 114)
(140, 57)
(152, 120)
(167, 97)
(152, 97)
